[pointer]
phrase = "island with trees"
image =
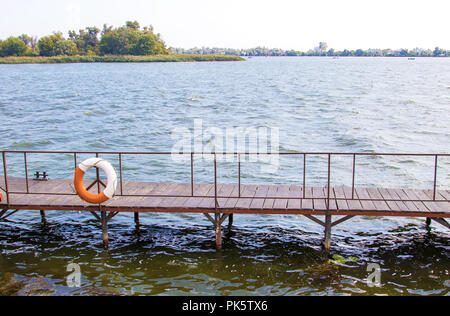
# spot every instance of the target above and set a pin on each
(131, 43)
(128, 43)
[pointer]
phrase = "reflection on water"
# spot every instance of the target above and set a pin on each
(319, 104)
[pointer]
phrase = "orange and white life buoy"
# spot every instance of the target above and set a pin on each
(111, 185)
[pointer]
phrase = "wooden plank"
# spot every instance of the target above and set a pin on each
(438, 207)
(363, 195)
(204, 190)
(280, 203)
(307, 203)
(352, 204)
(148, 189)
(225, 192)
(339, 194)
(150, 202)
(441, 207)
(160, 188)
(333, 203)
(431, 206)
(180, 202)
(297, 192)
(393, 200)
(283, 191)
(379, 205)
(404, 197)
(294, 204)
(248, 191)
(319, 201)
(445, 195)
(261, 192)
(244, 203)
(273, 198)
(175, 202)
(268, 203)
(413, 196)
(434, 207)
(246, 197)
(233, 199)
(210, 201)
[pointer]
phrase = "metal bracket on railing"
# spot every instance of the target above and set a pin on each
(37, 176)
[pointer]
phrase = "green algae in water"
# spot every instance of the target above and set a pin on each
(12, 285)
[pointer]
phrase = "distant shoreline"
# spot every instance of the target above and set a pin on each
(117, 59)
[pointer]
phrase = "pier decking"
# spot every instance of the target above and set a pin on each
(252, 199)
(220, 201)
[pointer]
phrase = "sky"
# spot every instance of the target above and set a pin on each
(285, 24)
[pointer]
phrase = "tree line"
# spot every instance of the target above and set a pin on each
(321, 50)
(129, 39)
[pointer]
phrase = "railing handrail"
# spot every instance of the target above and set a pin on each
(224, 153)
(216, 154)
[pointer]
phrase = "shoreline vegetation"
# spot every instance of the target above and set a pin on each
(321, 50)
(130, 43)
(116, 59)
(133, 43)
(78, 59)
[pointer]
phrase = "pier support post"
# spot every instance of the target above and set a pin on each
(230, 221)
(327, 239)
(43, 220)
(428, 222)
(218, 231)
(105, 229)
(136, 219)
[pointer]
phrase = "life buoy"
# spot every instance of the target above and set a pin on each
(111, 185)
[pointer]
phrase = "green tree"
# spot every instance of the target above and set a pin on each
(119, 41)
(65, 47)
(148, 44)
(130, 39)
(13, 46)
(30, 41)
(360, 52)
(55, 45)
(133, 25)
(86, 40)
(403, 52)
(346, 52)
(323, 46)
(439, 52)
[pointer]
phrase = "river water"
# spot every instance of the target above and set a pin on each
(316, 104)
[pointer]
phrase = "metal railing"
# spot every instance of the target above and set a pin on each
(239, 155)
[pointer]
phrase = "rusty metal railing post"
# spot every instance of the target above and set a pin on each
(75, 159)
(435, 176)
(192, 174)
(353, 176)
(215, 182)
(120, 171)
(329, 181)
(304, 176)
(239, 175)
(26, 171)
(98, 176)
(5, 173)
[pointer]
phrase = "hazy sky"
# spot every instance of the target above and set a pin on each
(286, 24)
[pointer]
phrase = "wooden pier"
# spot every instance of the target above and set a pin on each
(220, 201)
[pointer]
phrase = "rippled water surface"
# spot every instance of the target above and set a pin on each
(319, 104)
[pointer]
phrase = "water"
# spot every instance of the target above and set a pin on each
(319, 104)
